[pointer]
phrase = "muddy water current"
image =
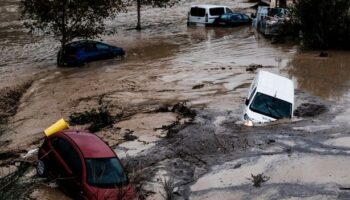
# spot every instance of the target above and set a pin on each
(167, 37)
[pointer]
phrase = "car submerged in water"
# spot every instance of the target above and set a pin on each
(232, 20)
(270, 98)
(83, 166)
(80, 52)
(204, 15)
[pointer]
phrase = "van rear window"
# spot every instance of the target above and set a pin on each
(197, 12)
(216, 11)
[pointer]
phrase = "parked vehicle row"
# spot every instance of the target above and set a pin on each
(215, 15)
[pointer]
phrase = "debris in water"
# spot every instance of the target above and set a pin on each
(97, 119)
(253, 67)
(258, 179)
(168, 185)
(183, 110)
(179, 108)
(31, 153)
(309, 110)
(129, 135)
(199, 86)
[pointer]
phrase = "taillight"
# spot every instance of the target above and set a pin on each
(206, 18)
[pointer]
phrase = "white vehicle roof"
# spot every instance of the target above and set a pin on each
(275, 85)
(208, 6)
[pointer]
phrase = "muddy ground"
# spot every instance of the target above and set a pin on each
(207, 156)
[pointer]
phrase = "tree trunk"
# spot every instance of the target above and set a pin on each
(64, 34)
(138, 27)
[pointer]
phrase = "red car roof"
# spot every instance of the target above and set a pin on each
(89, 144)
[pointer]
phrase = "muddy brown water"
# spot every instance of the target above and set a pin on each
(163, 63)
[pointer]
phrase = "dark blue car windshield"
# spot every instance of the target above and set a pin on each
(105, 173)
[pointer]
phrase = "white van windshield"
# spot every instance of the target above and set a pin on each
(271, 106)
(216, 11)
(197, 12)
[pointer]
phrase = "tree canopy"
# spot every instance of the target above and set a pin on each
(324, 23)
(69, 19)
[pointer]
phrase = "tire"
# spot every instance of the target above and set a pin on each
(41, 169)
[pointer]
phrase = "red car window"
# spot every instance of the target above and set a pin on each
(68, 154)
(105, 172)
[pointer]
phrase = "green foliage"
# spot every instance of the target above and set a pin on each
(323, 23)
(69, 19)
(97, 119)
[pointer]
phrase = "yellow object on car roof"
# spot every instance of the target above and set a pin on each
(56, 127)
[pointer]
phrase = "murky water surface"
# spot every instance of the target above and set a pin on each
(193, 49)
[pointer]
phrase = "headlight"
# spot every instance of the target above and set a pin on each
(248, 123)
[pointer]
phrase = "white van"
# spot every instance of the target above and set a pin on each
(205, 14)
(270, 97)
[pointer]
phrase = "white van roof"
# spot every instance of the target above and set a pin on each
(207, 6)
(275, 85)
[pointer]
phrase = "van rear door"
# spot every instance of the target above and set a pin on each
(197, 15)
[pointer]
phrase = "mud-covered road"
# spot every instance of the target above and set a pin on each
(210, 157)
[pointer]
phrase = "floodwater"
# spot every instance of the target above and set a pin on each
(164, 63)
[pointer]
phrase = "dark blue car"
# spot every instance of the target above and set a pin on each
(80, 52)
(232, 20)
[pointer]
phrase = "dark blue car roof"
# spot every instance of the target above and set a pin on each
(81, 43)
(234, 14)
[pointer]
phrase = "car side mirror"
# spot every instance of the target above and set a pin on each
(247, 102)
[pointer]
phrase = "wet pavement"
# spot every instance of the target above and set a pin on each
(213, 156)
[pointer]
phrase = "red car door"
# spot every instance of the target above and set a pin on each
(69, 166)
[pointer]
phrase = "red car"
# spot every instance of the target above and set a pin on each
(84, 166)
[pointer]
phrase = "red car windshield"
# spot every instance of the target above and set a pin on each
(105, 173)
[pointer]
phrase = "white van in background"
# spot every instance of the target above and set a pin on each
(270, 97)
(205, 14)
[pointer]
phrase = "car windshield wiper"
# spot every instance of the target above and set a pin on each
(268, 108)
